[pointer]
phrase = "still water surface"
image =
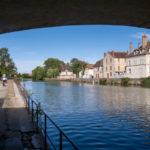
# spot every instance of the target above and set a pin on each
(97, 117)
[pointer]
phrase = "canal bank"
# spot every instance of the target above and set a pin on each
(103, 81)
(16, 128)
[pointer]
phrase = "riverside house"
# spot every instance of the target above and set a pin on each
(98, 69)
(66, 73)
(138, 61)
(114, 64)
(88, 72)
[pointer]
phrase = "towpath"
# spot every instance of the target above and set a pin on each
(16, 129)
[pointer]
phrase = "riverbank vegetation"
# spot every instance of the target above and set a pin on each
(145, 82)
(52, 66)
(7, 66)
(125, 81)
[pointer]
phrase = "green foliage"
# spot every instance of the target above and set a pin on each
(125, 81)
(77, 65)
(53, 63)
(7, 65)
(25, 75)
(52, 73)
(145, 82)
(103, 81)
(38, 73)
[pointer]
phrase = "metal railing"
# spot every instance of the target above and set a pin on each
(43, 121)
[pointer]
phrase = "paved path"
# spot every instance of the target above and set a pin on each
(16, 129)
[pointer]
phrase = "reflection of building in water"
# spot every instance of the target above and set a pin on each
(66, 73)
(125, 99)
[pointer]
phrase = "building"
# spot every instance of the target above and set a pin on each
(88, 72)
(98, 69)
(138, 61)
(114, 64)
(66, 73)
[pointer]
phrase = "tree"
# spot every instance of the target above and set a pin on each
(7, 65)
(52, 73)
(53, 63)
(77, 65)
(38, 73)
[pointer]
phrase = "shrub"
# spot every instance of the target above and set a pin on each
(145, 82)
(103, 81)
(125, 81)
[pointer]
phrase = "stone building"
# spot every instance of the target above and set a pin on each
(98, 69)
(138, 61)
(66, 73)
(114, 64)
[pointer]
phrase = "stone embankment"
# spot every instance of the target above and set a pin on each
(16, 129)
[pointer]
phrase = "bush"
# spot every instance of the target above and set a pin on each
(145, 82)
(125, 81)
(103, 81)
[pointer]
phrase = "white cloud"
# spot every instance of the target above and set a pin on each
(138, 35)
(26, 66)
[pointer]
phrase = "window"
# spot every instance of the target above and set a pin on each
(118, 68)
(110, 67)
(110, 74)
(118, 59)
(135, 62)
(125, 68)
(129, 62)
(125, 60)
(141, 70)
(141, 61)
(106, 60)
(130, 70)
(110, 59)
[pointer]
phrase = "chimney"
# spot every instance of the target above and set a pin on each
(139, 45)
(104, 54)
(130, 47)
(113, 53)
(144, 41)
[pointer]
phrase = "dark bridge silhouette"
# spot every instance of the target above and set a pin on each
(18, 15)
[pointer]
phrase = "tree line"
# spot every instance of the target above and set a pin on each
(7, 66)
(52, 67)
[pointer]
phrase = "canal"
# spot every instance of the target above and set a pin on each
(96, 117)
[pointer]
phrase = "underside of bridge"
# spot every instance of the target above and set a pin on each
(18, 15)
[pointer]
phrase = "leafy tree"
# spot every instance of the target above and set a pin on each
(38, 73)
(52, 73)
(77, 65)
(53, 63)
(7, 65)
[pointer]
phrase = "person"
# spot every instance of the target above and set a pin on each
(4, 80)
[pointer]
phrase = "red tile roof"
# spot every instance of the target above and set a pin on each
(118, 54)
(89, 66)
(99, 63)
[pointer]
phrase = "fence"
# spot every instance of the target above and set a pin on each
(43, 121)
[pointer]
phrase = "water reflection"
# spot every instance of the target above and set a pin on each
(97, 117)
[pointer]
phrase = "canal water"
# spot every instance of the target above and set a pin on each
(97, 117)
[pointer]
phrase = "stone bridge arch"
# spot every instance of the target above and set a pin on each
(16, 15)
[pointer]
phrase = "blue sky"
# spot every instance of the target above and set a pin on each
(31, 47)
